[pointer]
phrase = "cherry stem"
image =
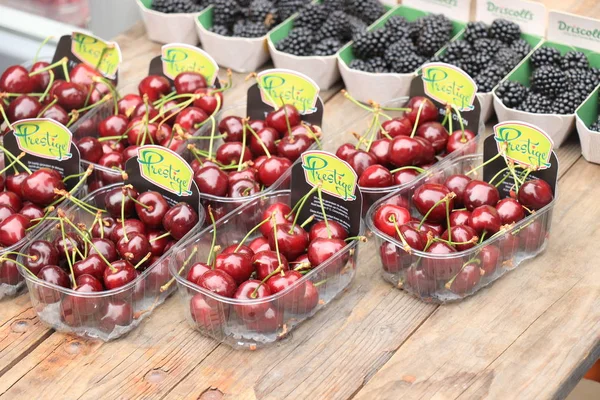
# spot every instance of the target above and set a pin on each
(471, 261)
(503, 170)
(383, 131)
(484, 164)
(205, 137)
(185, 263)
(260, 142)
(450, 120)
(312, 134)
(53, 102)
(420, 170)
(482, 236)
(243, 152)
(6, 118)
(460, 121)
(320, 283)
(298, 206)
(64, 238)
(49, 86)
(407, 247)
(123, 195)
(303, 265)
(86, 239)
(12, 164)
(96, 104)
(359, 238)
(446, 118)
(136, 201)
(164, 99)
(212, 136)
(164, 235)
(475, 239)
(111, 88)
(3, 259)
(446, 198)
(276, 241)
(74, 117)
(12, 157)
(419, 111)
(373, 130)
(214, 237)
(320, 194)
(45, 217)
(272, 274)
(84, 176)
(287, 119)
(308, 221)
(448, 220)
(143, 260)
(250, 232)
(353, 100)
(62, 61)
(44, 42)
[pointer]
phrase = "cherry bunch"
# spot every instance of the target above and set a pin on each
(160, 113)
(457, 215)
(126, 238)
(273, 262)
(397, 150)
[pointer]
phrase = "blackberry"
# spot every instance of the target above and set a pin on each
(263, 11)
(548, 80)
(336, 26)
(220, 30)
(505, 31)
(311, 15)
(396, 22)
(507, 58)
(582, 79)
(359, 65)
(545, 56)
(567, 102)
(408, 64)
(399, 33)
(574, 59)
(248, 29)
(327, 47)
(371, 44)
(490, 46)
(357, 25)
(458, 50)
(334, 5)
(244, 3)
(367, 10)
(511, 93)
(437, 20)
(399, 50)
(431, 40)
(489, 77)
(288, 7)
(477, 62)
(175, 6)
(298, 42)
(225, 12)
(536, 103)
(377, 65)
(595, 126)
(521, 47)
(474, 31)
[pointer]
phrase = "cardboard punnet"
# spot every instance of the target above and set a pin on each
(168, 28)
(586, 115)
(531, 18)
(566, 32)
(385, 87)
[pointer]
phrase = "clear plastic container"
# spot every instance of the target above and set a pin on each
(426, 275)
(220, 317)
(361, 124)
(104, 315)
(222, 205)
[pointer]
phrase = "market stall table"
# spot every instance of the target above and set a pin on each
(531, 335)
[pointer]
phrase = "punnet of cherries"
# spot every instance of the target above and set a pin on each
(247, 156)
(460, 214)
(394, 151)
(160, 113)
(271, 258)
(129, 233)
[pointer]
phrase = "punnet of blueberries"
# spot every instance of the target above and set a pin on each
(400, 46)
(557, 85)
(322, 29)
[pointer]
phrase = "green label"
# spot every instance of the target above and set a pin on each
(165, 169)
(281, 86)
(335, 175)
(105, 57)
(517, 13)
(177, 58)
(449, 85)
(524, 144)
(44, 138)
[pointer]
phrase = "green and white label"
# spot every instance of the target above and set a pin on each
(574, 30)
(449, 85)
(43, 138)
(178, 57)
(529, 15)
(458, 10)
(524, 144)
(282, 86)
(165, 169)
(335, 175)
(104, 56)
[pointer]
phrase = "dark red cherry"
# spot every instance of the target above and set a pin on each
(134, 247)
(479, 193)
(237, 265)
(92, 265)
(112, 160)
(532, 237)
(419, 283)
(535, 194)
(219, 282)
(485, 219)
(252, 290)
(11, 199)
(14, 182)
(114, 198)
(457, 184)
(16, 79)
(393, 259)
(243, 188)
(67, 246)
(115, 313)
(113, 126)
(281, 282)
(105, 247)
(9, 271)
(380, 148)
(196, 271)
(405, 176)
(427, 153)
(208, 101)
(272, 169)
(55, 275)
(292, 240)
(321, 250)
(405, 151)
(141, 133)
(248, 173)
(459, 217)
(119, 274)
(291, 147)
(151, 208)
(388, 217)
(13, 229)
(332, 229)
(40, 254)
(90, 149)
(376, 176)
(104, 228)
(306, 303)
(435, 133)
(180, 220)
(6, 212)
(41, 80)
(282, 214)
(230, 153)
(283, 117)
(70, 95)
(360, 160)
(131, 226)
(259, 244)
(429, 111)
(189, 82)
(427, 195)
(345, 151)
(211, 180)
(154, 86)
(158, 246)
(466, 280)
(489, 257)
(398, 127)
(56, 113)
(233, 128)
(190, 119)
(441, 268)
(269, 322)
(267, 138)
(463, 234)
(130, 152)
(266, 262)
(23, 107)
(207, 312)
(460, 141)
(128, 103)
(510, 211)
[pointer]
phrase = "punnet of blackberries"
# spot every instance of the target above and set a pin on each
(251, 18)
(179, 6)
(322, 29)
(558, 84)
(487, 53)
(400, 46)
(596, 124)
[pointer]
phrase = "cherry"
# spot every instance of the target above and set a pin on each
(131, 226)
(6, 212)
(154, 86)
(489, 256)
(508, 244)
(140, 132)
(258, 161)
(441, 268)
(256, 124)
(259, 244)
(84, 75)
(233, 128)
(321, 230)
(405, 176)
(90, 149)
(75, 309)
(158, 246)
(393, 258)
(321, 250)
(532, 237)
(219, 282)
(190, 118)
(535, 194)
(345, 151)
(211, 180)
(419, 283)
(40, 254)
(207, 312)
(11, 199)
(208, 101)
(268, 137)
(114, 198)
(427, 154)
(238, 266)
(266, 262)
(376, 176)
(54, 275)
(380, 148)
(458, 141)
(272, 169)
(291, 147)
(398, 127)
(146, 112)
(130, 152)
(479, 193)
(435, 133)
(16, 79)
(405, 151)
(360, 160)
(468, 277)
(308, 302)
(189, 82)
(13, 229)
(9, 272)
(14, 182)
(66, 247)
(243, 188)
(134, 247)
(113, 160)
(388, 216)
(425, 198)
(153, 209)
(251, 290)
(435, 229)
(279, 119)
(291, 240)
(128, 103)
(460, 234)
(23, 107)
(71, 96)
(113, 125)
(269, 322)
(196, 271)
(459, 217)
(485, 219)
(286, 281)
(457, 184)
(246, 174)
(510, 211)
(105, 247)
(279, 211)
(230, 153)
(429, 111)
(114, 313)
(103, 228)
(40, 187)
(180, 219)
(41, 80)
(57, 113)
(119, 274)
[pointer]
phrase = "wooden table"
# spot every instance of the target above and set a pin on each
(531, 335)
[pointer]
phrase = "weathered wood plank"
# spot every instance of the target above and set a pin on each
(523, 336)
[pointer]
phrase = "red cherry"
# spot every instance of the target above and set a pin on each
(252, 290)
(11, 200)
(259, 244)
(429, 111)
(9, 272)
(14, 182)
(360, 160)
(457, 184)
(308, 302)
(284, 281)
(67, 246)
(23, 107)
(489, 256)
(128, 104)
(291, 147)
(282, 214)
(112, 160)
(441, 268)
(208, 102)
(6, 212)
(219, 282)
(267, 136)
(388, 217)
(535, 194)
(114, 125)
(54, 275)
(13, 229)
(479, 193)
(159, 246)
(398, 127)
(246, 174)
(466, 280)
(321, 250)
(376, 176)
(269, 322)
(427, 228)
(393, 258)
(485, 219)
(405, 176)
(131, 226)
(115, 313)
(427, 154)
(332, 229)
(119, 274)
(40, 254)
(459, 217)
(465, 142)
(243, 188)
(196, 271)
(266, 262)
(16, 79)
(292, 240)
(510, 211)
(272, 169)
(144, 109)
(152, 209)
(345, 151)
(114, 198)
(71, 96)
(154, 87)
(104, 228)
(461, 234)
(419, 283)
(405, 151)
(90, 149)
(532, 237)
(134, 247)
(56, 113)
(105, 247)
(380, 148)
(93, 265)
(425, 198)
(237, 265)
(230, 153)
(207, 312)
(190, 118)
(211, 180)
(189, 82)
(180, 220)
(435, 133)
(280, 118)
(233, 128)
(41, 80)
(40, 187)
